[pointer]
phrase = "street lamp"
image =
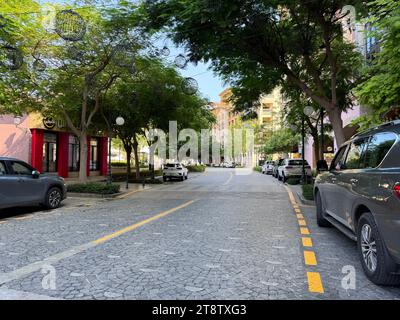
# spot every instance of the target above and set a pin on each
(119, 122)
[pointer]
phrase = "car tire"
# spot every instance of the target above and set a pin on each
(321, 221)
(284, 179)
(53, 198)
(182, 178)
(378, 264)
(165, 179)
(279, 177)
(187, 177)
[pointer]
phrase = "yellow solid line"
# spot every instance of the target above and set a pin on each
(307, 242)
(141, 223)
(310, 258)
(315, 282)
(304, 231)
(297, 210)
(300, 216)
(302, 223)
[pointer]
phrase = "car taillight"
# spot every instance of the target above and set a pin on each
(396, 190)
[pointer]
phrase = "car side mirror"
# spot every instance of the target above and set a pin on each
(322, 166)
(35, 174)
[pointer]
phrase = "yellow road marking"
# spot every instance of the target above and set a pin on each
(304, 231)
(24, 218)
(302, 223)
(310, 258)
(307, 242)
(297, 210)
(141, 223)
(315, 282)
(299, 216)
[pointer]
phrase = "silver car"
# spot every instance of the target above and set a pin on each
(22, 185)
(293, 168)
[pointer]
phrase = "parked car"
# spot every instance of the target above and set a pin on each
(268, 167)
(230, 165)
(275, 168)
(22, 185)
(175, 171)
(360, 195)
(293, 168)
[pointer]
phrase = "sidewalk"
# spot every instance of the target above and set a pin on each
(298, 193)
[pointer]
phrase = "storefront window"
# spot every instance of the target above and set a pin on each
(94, 155)
(50, 152)
(73, 158)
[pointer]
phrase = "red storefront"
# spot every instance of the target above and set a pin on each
(58, 152)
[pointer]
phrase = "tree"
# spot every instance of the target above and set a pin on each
(18, 35)
(281, 141)
(381, 90)
(300, 42)
(74, 85)
(150, 100)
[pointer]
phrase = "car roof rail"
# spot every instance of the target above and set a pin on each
(383, 125)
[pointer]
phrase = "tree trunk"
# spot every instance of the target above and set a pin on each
(136, 154)
(335, 118)
(128, 150)
(317, 150)
(83, 157)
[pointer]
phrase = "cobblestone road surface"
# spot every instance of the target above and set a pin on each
(220, 235)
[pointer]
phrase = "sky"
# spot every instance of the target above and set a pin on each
(210, 85)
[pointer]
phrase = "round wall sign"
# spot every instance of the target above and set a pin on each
(49, 123)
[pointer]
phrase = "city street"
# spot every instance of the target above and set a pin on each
(225, 234)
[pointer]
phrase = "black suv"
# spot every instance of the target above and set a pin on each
(360, 195)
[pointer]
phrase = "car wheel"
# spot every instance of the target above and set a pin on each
(53, 198)
(165, 179)
(187, 177)
(279, 177)
(321, 221)
(375, 259)
(284, 179)
(182, 178)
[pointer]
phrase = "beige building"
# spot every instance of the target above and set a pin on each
(269, 114)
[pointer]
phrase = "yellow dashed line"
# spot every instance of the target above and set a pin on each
(307, 242)
(315, 282)
(302, 223)
(304, 231)
(310, 258)
(314, 278)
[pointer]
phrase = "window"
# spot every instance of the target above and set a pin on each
(50, 152)
(378, 148)
(94, 155)
(355, 154)
(2, 168)
(298, 162)
(338, 162)
(73, 157)
(21, 169)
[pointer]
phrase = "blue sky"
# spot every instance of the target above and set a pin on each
(210, 85)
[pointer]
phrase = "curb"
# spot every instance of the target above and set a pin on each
(93, 195)
(305, 201)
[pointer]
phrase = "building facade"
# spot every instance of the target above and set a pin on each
(49, 146)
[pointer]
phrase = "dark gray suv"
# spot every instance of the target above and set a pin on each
(360, 195)
(22, 185)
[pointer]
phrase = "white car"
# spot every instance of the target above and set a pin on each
(175, 171)
(292, 168)
(268, 167)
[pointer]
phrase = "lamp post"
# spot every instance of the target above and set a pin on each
(119, 122)
(308, 111)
